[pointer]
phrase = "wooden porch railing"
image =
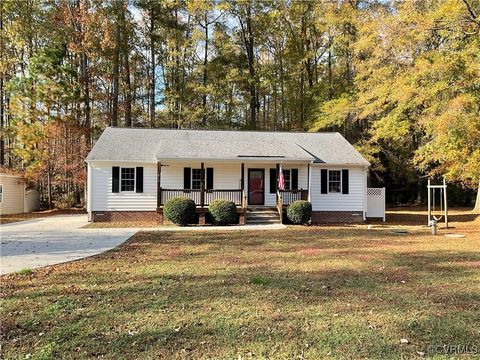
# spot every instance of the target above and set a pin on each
(235, 195)
(289, 196)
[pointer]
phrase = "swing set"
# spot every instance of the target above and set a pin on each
(435, 215)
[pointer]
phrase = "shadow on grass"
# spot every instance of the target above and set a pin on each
(418, 217)
(175, 291)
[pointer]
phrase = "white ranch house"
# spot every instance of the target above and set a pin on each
(132, 172)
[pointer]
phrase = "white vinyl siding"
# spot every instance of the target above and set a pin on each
(225, 176)
(13, 194)
(103, 199)
(353, 201)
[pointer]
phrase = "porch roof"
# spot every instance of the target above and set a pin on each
(127, 144)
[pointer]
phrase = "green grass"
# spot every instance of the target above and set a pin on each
(25, 271)
(297, 293)
(258, 280)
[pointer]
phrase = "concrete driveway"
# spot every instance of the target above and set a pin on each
(52, 240)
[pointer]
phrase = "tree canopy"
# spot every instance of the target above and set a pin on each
(399, 79)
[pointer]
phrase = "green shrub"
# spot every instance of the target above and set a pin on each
(223, 212)
(299, 212)
(179, 210)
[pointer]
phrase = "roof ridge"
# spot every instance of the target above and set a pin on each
(229, 130)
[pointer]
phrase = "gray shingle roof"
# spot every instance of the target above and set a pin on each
(126, 144)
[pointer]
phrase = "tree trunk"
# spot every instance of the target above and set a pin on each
(330, 71)
(205, 61)
(152, 57)
(86, 97)
(477, 201)
(128, 100)
(49, 188)
(248, 40)
(2, 96)
(116, 60)
(126, 52)
(251, 71)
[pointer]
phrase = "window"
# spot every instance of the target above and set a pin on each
(127, 179)
(196, 179)
(334, 181)
(288, 179)
(1, 194)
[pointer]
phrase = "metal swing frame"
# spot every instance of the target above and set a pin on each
(443, 202)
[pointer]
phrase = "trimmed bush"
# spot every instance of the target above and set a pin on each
(179, 210)
(299, 212)
(223, 212)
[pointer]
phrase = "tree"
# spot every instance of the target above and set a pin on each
(398, 79)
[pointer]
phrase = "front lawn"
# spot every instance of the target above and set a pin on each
(303, 292)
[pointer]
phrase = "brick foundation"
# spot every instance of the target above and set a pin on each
(337, 217)
(241, 219)
(106, 216)
(157, 216)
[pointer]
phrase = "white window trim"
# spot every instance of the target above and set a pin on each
(134, 180)
(191, 178)
(328, 182)
(289, 180)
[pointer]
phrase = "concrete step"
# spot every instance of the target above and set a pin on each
(261, 209)
(262, 215)
(263, 221)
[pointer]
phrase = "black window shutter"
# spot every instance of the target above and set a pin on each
(115, 179)
(273, 181)
(345, 181)
(209, 178)
(139, 180)
(294, 179)
(324, 181)
(187, 178)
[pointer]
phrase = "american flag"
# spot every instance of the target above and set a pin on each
(281, 179)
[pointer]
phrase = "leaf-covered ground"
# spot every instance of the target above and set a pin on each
(7, 219)
(303, 292)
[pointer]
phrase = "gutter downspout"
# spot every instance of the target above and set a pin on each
(310, 182)
(89, 191)
(365, 193)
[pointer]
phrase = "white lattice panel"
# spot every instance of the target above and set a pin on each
(376, 203)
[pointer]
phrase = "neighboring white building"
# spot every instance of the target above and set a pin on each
(132, 172)
(14, 198)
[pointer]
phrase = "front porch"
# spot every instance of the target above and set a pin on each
(248, 185)
(203, 198)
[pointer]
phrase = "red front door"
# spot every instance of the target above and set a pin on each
(256, 186)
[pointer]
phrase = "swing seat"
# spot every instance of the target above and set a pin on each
(437, 218)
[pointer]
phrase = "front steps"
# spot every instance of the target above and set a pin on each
(262, 216)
